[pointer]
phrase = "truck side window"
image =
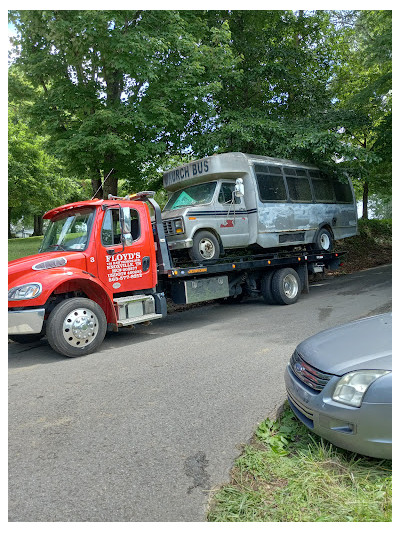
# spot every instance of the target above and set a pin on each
(111, 229)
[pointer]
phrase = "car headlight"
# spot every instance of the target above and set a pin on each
(25, 292)
(352, 387)
(179, 227)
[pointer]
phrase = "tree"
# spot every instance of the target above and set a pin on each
(362, 86)
(120, 87)
(36, 180)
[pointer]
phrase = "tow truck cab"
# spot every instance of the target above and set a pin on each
(102, 251)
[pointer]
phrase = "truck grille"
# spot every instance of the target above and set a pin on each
(168, 227)
(309, 375)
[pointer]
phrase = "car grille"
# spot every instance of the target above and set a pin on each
(168, 227)
(309, 375)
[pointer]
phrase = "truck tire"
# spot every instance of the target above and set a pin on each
(205, 247)
(76, 327)
(323, 240)
(266, 287)
(27, 338)
(285, 286)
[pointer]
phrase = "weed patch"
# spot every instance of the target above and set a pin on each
(288, 474)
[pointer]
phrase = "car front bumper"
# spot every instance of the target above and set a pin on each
(25, 322)
(366, 430)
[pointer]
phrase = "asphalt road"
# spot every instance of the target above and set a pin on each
(142, 430)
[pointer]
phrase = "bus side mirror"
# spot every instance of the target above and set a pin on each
(239, 188)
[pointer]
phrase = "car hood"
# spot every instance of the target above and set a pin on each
(360, 345)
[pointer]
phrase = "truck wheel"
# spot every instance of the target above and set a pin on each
(26, 339)
(285, 286)
(76, 327)
(324, 240)
(266, 287)
(205, 247)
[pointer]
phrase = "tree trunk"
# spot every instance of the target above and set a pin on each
(97, 185)
(10, 235)
(365, 201)
(37, 225)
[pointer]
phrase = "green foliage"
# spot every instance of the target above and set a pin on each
(120, 87)
(311, 482)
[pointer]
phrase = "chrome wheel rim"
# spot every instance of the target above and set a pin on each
(80, 327)
(206, 248)
(290, 286)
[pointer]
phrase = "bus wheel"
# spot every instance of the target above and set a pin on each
(76, 327)
(324, 240)
(205, 247)
(285, 286)
(266, 288)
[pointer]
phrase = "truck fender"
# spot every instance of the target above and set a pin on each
(58, 281)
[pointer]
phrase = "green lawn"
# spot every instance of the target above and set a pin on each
(288, 474)
(22, 247)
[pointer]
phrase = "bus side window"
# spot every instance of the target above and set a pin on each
(323, 188)
(271, 184)
(298, 185)
(342, 190)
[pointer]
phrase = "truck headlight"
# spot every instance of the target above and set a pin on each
(179, 227)
(352, 387)
(25, 292)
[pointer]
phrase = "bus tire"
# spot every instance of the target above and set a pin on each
(286, 286)
(266, 288)
(323, 240)
(76, 327)
(205, 247)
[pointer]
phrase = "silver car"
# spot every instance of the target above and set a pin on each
(339, 384)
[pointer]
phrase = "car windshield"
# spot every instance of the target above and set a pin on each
(68, 231)
(196, 194)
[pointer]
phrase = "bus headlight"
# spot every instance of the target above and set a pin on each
(179, 227)
(352, 387)
(25, 292)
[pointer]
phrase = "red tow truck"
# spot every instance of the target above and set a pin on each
(105, 264)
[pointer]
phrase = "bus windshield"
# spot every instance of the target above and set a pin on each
(196, 194)
(68, 231)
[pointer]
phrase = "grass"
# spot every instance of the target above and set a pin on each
(22, 247)
(288, 474)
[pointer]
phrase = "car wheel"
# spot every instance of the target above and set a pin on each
(76, 327)
(205, 247)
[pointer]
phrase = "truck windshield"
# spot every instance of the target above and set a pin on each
(68, 231)
(196, 194)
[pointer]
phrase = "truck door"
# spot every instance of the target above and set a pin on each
(234, 222)
(127, 260)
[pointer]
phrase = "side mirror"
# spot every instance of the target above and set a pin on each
(239, 188)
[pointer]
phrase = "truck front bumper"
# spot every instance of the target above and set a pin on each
(26, 321)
